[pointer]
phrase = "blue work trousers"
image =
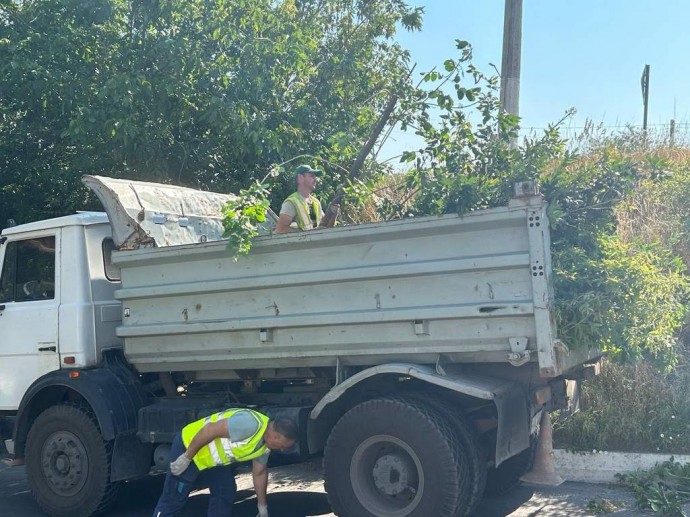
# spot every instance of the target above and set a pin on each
(220, 481)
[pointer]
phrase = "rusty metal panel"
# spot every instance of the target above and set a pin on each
(146, 214)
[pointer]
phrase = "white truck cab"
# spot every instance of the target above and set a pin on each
(57, 308)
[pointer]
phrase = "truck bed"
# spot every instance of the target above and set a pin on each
(433, 290)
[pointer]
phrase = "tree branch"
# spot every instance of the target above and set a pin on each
(330, 215)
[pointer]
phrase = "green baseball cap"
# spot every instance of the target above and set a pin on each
(305, 169)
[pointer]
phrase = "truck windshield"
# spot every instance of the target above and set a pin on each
(28, 271)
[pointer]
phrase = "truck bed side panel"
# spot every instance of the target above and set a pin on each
(412, 290)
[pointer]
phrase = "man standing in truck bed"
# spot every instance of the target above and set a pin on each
(301, 210)
(215, 444)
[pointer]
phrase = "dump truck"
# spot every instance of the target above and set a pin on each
(416, 355)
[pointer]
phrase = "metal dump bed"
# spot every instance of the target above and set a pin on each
(433, 290)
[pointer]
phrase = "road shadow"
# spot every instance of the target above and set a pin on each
(505, 505)
(292, 473)
(139, 497)
(142, 494)
(283, 504)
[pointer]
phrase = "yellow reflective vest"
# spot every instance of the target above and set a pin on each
(304, 221)
(224, 451)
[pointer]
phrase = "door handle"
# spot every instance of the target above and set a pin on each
(47, 349)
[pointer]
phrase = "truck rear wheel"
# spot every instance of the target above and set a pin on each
(68, 463)
(393, 457)
(470, 443)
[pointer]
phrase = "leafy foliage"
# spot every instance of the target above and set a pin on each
(453, 171)
(467, 160)
(627, 295)
(629, 299)
(243, 216)
(663, 488)
(199, 93)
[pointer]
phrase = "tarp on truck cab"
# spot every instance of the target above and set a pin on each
(144, 214)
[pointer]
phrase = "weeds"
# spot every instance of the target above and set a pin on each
(601, 506)
(630, 408)
(663, 488)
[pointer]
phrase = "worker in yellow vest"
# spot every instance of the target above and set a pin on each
(301, 210)
(212, 446)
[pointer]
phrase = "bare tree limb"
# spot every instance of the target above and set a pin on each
(332, 210)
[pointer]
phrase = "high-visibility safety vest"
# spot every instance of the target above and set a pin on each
(224, 451)
(304, 222)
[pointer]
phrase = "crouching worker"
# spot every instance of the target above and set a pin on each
(215, 445)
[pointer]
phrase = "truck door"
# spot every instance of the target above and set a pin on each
(29, 303)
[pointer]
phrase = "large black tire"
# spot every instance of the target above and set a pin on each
(470, 442)
(501, 480)
(68, 463)
(393, 457)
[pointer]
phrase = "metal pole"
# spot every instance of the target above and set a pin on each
(510, 65)
(645, 94)
(672, 138)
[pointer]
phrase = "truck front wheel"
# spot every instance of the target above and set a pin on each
(393, 457)
(68, 463)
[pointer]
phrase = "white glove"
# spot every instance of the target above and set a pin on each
(178, 466)
(263, 510)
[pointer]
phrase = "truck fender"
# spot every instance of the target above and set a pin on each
(113, 393)
(509, 397)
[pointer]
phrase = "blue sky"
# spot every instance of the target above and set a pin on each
(586, 54)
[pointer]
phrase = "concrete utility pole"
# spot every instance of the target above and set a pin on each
(510, 65)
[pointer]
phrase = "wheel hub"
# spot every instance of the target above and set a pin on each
(387, 476)
(391, 474)
(62, 464)
(65, 463)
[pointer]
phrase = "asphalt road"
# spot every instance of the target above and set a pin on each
(297, 491)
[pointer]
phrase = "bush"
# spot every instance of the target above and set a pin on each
(621, 222)
(624, 292)
(629, 298)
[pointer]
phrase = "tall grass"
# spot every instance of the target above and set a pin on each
(629, 139)
(630, 408)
